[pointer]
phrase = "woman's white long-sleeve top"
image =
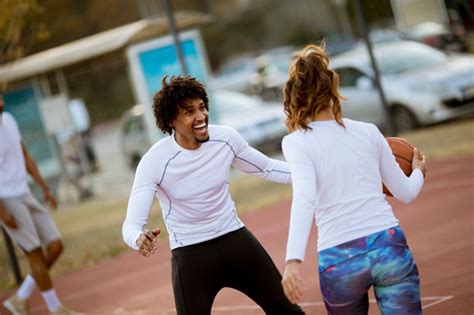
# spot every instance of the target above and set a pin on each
(337, 176)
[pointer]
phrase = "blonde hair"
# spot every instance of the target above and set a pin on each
(311, 88)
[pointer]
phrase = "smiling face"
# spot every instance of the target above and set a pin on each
(190, 125)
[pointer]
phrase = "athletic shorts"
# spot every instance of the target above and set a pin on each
(36, 228)
(382, 260)
(235, 260)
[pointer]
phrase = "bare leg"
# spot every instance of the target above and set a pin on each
(39, 269)
(54, 249)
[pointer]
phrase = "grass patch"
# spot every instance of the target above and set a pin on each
(91, 231)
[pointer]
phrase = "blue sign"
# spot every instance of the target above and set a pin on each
(163, 61)
(152, 60)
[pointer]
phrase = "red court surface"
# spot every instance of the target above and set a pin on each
(439, 227)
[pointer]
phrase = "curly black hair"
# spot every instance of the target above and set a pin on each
(177, 92)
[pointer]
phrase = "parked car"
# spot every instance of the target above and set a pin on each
(422, 85)
(438, 36)
(260, 75)
(260, 123)
(235, 74)
(134, 139)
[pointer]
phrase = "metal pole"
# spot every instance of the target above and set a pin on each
(360, 16)
(13, 259)
(174, 32)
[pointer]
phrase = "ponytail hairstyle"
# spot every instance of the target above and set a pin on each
(311, 88)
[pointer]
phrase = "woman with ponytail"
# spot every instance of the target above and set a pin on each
(337, 168)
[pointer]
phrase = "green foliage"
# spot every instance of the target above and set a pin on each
(70, 20)
(21, 27)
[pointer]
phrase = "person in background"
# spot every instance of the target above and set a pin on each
(188, 171)
(26, 220)
(81, 120)
(337, 168)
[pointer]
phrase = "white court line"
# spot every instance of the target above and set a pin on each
(435, 300)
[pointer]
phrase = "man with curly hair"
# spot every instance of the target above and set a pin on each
(188, 171)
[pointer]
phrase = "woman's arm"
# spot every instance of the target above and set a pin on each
(403, 188)
(303, 204)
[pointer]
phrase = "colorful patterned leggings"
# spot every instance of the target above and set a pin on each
(382, 260)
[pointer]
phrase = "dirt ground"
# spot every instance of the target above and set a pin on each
(439, 228)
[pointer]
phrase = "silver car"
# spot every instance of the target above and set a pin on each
(260, 123)
(422, 85)
(134, 139)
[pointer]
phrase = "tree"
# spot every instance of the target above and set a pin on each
(21, 27)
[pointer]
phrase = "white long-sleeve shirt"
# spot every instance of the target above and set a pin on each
(337, 176)
(193, 186)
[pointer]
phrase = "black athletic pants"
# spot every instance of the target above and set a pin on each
(235, 260)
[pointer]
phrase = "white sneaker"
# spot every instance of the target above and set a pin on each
(16, 306)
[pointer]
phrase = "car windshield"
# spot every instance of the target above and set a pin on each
(408, 58)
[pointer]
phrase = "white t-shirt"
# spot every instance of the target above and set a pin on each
(337, 176)
(13, 179)
(193, 186)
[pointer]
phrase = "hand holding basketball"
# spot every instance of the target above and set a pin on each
(419, 161)
(407, 157)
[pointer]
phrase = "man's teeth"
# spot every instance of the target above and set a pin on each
(200, 126)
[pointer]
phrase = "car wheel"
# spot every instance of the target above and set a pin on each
(403, 118)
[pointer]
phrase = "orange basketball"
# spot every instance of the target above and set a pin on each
(403, 152)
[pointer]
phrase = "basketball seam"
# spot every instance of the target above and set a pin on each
(402, 158)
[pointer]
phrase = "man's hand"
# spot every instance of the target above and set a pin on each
(7, 218)
(49, 198)
(146, 242)
(292, 282)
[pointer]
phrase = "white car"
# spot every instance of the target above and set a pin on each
(134, 139)
(422, 85)
(260, 123)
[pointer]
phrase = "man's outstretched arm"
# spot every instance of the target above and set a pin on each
(33, 170)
